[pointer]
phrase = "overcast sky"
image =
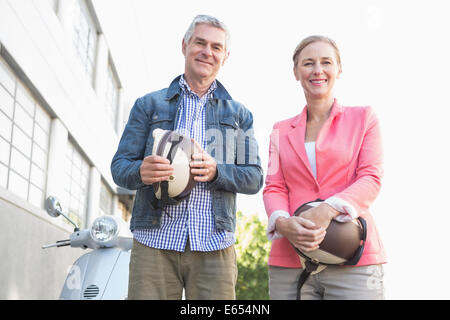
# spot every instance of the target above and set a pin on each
(395, 57)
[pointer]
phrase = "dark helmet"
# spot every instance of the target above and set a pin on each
(343, 243)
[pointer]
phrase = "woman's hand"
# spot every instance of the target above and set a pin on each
(302, 233)
(321, 215)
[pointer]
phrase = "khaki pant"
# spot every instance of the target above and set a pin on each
(162, 274)
(333, 283)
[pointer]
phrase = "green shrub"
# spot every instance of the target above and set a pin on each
(252, 249)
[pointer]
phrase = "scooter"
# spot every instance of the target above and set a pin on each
(100, 274)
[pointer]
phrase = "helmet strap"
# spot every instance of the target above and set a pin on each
(164, 185)
(310, 266)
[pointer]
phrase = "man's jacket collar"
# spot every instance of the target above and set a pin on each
(174, 89)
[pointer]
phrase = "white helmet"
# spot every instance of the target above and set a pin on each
(178, 149)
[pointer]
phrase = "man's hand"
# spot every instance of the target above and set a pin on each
(302, 233)
(155, 169)
(203, 166)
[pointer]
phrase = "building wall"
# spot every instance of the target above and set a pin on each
(26, 270)
(37, 44)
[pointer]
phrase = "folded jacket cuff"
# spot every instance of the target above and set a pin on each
(348, 212)
(272, 234)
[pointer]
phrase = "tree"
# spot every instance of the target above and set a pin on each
(252, 249)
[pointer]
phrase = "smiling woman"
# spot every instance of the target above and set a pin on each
(328, 152)
(317, 65)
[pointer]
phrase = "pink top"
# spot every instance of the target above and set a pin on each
(349, 164)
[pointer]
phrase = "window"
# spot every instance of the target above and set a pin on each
(77, 172)
(106, 200)
(126, 212)
(112, 95)
(24, 139)
(85, 37)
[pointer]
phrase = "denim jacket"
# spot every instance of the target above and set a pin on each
(230, 140)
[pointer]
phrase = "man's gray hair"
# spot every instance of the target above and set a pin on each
(211, 21)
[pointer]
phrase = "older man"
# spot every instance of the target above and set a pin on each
(190, 245)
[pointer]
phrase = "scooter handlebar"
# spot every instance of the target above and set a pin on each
(59, 243)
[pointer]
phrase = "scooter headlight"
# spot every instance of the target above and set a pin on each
(104, 229)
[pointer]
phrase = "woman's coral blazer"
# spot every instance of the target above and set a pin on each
(349, 162)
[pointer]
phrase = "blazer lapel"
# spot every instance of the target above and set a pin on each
(323, 140)
(296, 138)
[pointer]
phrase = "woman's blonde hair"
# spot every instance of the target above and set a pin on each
(312, 39)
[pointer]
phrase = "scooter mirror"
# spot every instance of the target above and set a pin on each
(53, 206)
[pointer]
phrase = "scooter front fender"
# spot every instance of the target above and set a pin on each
(99, 274)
